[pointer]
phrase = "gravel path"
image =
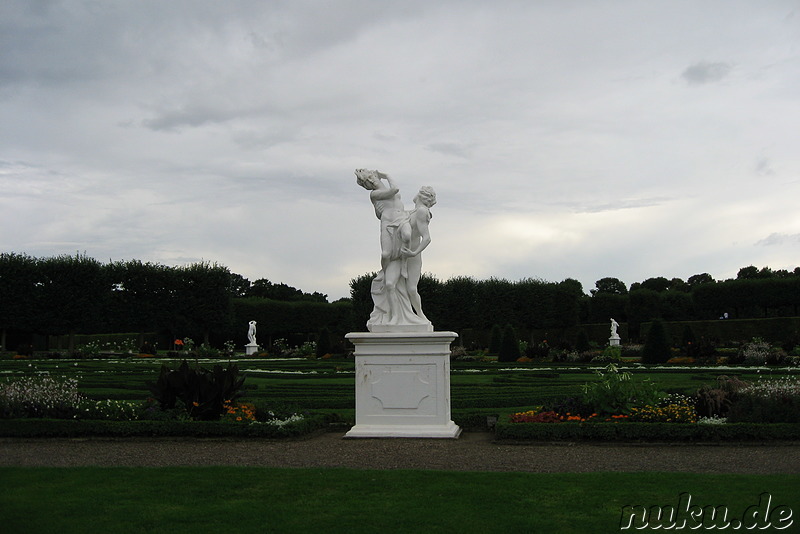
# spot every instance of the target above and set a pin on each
(471, 452)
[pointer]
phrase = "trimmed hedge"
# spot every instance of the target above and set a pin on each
(66, 428)
(663, 432)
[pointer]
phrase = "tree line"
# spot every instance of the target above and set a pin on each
(77, 294)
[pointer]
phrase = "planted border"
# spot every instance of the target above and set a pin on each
(57, 428)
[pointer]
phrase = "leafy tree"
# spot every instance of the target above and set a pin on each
(699, 279)
(751, 273)
(460, 295)
(615, 286)
(142, 295)
(239, 286)
(658, 284)
(265, 289)
(677, 284)
(509, 346)
(658, 344)
(18, 280)
(72, 293)
(361, 297)
(204, 296)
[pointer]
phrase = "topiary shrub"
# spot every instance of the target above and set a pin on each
(658, 344)
(509, 345)
(324, 345)
(496, 340)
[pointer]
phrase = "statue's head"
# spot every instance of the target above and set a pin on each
(426, 195)
(367, 179)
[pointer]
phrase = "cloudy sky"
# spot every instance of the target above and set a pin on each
(565, 139)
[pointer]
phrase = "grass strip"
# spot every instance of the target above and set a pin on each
(245, 499)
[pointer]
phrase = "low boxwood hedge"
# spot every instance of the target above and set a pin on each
(652, 432)
(51, 428)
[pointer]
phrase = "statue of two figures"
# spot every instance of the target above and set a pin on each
(404, 235)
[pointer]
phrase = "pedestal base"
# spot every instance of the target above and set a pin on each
(450, 431)
(250, 349)
(613, 341)
(403, 385)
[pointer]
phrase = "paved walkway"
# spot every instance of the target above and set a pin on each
(471, 452)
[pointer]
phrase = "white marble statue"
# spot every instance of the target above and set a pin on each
(614, 326)
(251, 333)
(403, 237)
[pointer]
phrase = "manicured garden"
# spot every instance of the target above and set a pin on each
(606, 399)
(126, 395)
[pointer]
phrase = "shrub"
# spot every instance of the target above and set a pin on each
(616, 392)
(509, 347)
(767, 401)
(758, 352)
(538, 351)
(207, 351)
(39, 396)
(673, 408)
(716, 400)
(203, 392)
(657, 346)
(610, 354)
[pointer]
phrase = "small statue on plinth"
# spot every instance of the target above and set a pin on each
(614, 339)
(252, 346)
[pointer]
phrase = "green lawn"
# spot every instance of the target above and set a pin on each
(243, 500)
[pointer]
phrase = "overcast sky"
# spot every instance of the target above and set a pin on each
(565, 139)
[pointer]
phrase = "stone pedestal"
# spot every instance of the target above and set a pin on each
(613, 341)
(403, 385)
(250, 349)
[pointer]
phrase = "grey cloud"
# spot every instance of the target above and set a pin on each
(450, 149)
(622, 204)
(763, 167)
(705, 72)
(190, 116)
(776, 238)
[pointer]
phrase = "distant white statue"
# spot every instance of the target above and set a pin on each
(403, 237)
(614, 326)
(251, 333)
